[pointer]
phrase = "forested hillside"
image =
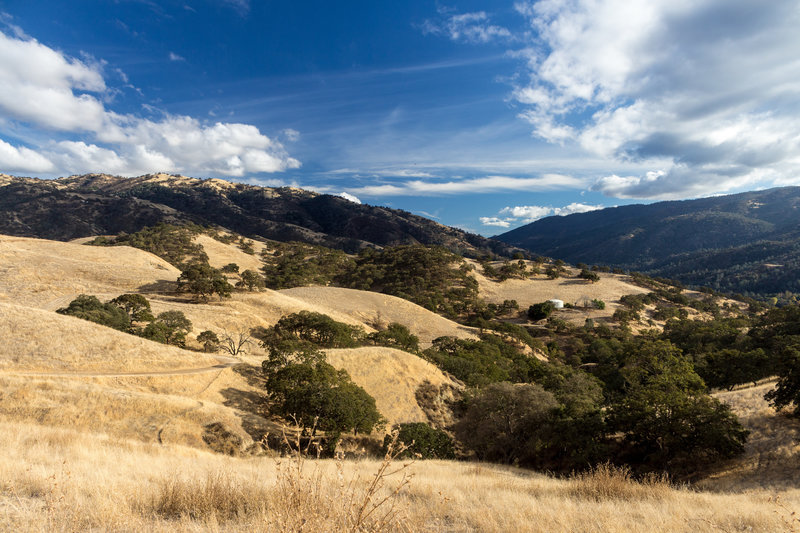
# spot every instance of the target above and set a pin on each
(98, 204)
(746, 243)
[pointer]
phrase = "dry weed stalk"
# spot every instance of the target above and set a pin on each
(789, 518)
(304, 496)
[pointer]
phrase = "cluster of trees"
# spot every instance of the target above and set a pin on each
(309, 330)
(132, 314)
(509, 270)
(629, 400)
(430, 276)
(305, 388)
(174, 244)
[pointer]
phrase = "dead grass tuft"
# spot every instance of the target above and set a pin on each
(607, 482)
(217, 496)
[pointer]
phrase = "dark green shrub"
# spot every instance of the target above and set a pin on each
(395, 336)
(423, 441)
(541, 310)
(202, 280)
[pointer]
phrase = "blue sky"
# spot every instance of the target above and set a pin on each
(483, 115)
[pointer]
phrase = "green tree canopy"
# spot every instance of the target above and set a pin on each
(668, 421)
(305, 387)
(135, 305)
(91, 308)
(202, 280)
(251, 280)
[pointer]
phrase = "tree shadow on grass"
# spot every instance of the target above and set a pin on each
(251, 405)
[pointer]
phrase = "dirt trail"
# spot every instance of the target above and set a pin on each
(224, 362)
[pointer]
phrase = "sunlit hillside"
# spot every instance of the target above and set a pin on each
(105, 430)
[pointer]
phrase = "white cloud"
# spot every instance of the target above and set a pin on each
(473, 185)
(494, 221)
(349, 197)
(175, 57)
(291, 135)
(706, 93)
(471, 27)
(13, 158)
(48, 91)
(526, 214)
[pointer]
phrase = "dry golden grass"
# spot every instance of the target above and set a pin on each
(49, 274)
(221, 254)
(62, 479)
(36, 340)
(772, 453)
(392, 377)
(83, 453)
(114, 407)
(570, 289)
(379, 309)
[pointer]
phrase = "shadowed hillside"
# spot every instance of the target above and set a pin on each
(746, 243)
(98, 204)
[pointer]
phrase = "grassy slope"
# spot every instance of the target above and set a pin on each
(82, 452)
(67, 479)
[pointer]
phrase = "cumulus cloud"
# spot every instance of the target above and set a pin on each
(20, 158)
(45, 90)
(470, 27)
(526, 214)
(706, 93)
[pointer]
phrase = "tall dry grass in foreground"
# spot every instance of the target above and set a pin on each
(63, 480)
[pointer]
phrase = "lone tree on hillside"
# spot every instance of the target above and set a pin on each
(209, 340)
(251, 280)
(304, 386)
(202, 280)
(169, 327)
(541, 310)
(589, 276)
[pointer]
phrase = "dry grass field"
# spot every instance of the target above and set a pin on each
(393, 378)
(371, 308)
(221, 254)
(62, 479)
(104, 431)
(568, 288)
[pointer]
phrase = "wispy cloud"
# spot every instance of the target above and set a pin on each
(467, 186)
(495, 221)
(472, 27)
(48, 91)
(175, 57)
(241, 6)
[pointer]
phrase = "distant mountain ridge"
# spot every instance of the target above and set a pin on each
(96, 204)
(747, 243)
